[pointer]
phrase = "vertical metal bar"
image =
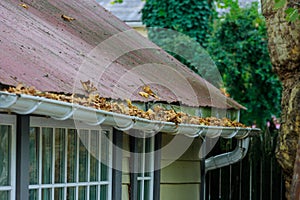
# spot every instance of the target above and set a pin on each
(157, 166)
(22, 162)
(117, 164)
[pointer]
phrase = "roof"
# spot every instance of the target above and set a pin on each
(39, 48)
(128, 11)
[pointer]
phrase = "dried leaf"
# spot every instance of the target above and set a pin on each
(24, 5)
(144, 94)
(148, 90)
(88, 86)
(67, 18)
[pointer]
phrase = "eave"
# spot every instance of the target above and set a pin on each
(58, 110)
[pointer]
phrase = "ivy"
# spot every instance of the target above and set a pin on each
(239, 48)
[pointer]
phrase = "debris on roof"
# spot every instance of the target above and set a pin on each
(40, 49)
(157, 113)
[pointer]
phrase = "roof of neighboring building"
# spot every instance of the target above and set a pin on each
(128, 11)
(40, 47)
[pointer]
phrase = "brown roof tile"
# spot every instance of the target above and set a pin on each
(39, 48)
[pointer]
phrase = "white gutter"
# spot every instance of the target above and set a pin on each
(27, 104)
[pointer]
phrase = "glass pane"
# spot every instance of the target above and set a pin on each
(5, 134)
(34, 156)
(71, 193)
(4, 195)
(82, 193)
(146, 190)
(103, 192)
(83, 156)
(47, 135)
(46, 194)
(59, 193)
(104, 155)
(139, 190)
(72, 149)
(94, 155)
(93, 192)
(33, 194)
(59, 155)
(149, 162)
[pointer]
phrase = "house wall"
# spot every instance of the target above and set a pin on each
(180, 173)
(181, 179)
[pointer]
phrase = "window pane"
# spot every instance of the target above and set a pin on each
(148, 157)
(83, 156)
(71, 193)
(33, 194)
(5, 134)
(146, 190)
(34, 155)
(59, 155)
(59, 193)
(94, 155)
(103, 192)
(139, 190)
(93, 192)
(82, 193)
(47, 135)
(46, 194)
(104, 155)
(4, 195)
(72, 149)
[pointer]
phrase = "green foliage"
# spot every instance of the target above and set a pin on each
(292, 13)
(180, 28)
(190, 17)
(239, 48)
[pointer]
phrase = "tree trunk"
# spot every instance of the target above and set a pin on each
(284, 48)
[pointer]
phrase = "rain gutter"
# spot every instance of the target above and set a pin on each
(27, 104)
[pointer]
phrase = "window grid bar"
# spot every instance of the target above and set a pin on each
(6, 188)
(65, 185)
(66, 163)
(99, 162)
(144, 178)
(53, 161)
(88, 167)
(39, 137)
(60, 185)
(77, 164)
(109, 135)
(143, 168)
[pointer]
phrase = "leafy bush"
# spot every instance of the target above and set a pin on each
(239, 48)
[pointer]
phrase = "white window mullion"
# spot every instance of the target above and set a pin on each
(110, 164)
(66, 163)
(89, 164)
(77, 164)
(40, 162)
(53, 163)
(13, 158)
(99, 161)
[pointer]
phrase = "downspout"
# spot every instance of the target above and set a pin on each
(229, 158)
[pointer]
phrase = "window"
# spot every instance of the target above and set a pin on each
(144, 159)
(7, 152)
(68, 163)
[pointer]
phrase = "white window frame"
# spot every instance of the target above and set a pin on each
(40, 122)
(141, 179)
(10, 120)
